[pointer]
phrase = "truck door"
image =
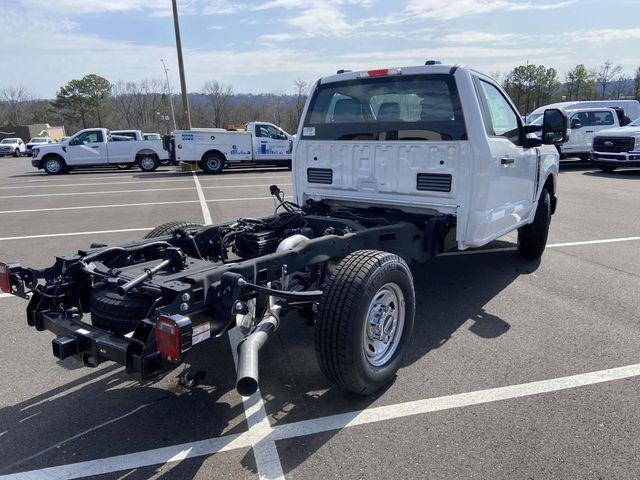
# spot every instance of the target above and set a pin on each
(581, 133)
(512, 169)
(270, 143)
(87, 148)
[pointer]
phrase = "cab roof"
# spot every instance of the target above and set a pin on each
(390, 71)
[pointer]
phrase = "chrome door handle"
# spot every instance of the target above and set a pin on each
(507, 160)
(95, 146)
(588, 131)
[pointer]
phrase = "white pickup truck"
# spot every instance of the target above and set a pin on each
(618, 147)
(98, 147)
(260, 143)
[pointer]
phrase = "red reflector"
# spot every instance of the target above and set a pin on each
(173, 336)
(378, 73)
(5, 281)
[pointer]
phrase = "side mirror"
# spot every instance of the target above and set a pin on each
(575, 124)
(554, 127)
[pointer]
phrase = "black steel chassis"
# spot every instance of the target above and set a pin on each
(58, 303)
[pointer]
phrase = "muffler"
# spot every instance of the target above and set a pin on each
(248, 353)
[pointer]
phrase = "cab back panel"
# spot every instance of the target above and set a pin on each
(428, 174)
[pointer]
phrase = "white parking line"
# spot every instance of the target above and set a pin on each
(7, 295)
(550, 245)
(139, 181)
(250, 438)
(74, 234)
(89, 207)
(206, 215)
(107, 192)
(264, 450)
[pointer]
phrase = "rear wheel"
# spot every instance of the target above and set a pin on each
(17, 153)
(532, 238)
(148, 163)
(124, 166)
(585, 157)
(54, 165)
(170, 227)
(364, 321)
(212, 163)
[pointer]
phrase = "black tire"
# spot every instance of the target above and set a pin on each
(344, 312)
(585, 157)
(54, 165)
(148, 162)
(213, 163)
(17, 153)
(124, 166)
(170, 227)
(532, 238)
(116, 314)
(606, 169)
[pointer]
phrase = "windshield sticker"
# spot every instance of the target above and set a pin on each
(309, 131)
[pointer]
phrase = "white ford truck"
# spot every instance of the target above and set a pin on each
(259, 143)
(97, 147)
(392, 166)
(618, 147)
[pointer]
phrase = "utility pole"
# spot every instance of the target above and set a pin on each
(173, 113)
(183, 82)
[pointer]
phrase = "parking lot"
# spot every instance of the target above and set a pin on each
(517, 369)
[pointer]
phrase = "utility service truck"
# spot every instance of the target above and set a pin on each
(259, 143)
(98, 147)
(391, 166)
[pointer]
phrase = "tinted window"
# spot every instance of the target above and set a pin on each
(424, 107)
(603, 118)
(502, 121)
(269, 132)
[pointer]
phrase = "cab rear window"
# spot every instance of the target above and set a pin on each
(418, 107)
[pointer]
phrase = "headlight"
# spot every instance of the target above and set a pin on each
(34, 152)
(637, 144)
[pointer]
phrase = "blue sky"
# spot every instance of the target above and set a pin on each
(265, 45)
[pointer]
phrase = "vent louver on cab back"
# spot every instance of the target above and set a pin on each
(434, 182)
(320, 175)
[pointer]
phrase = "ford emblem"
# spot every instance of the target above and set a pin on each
(608, 144)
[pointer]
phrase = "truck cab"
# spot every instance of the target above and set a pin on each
(429, 139)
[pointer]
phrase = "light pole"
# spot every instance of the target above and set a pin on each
(183, 82)
(173, 113)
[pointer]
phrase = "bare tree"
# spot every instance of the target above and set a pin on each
(14, 99)
(622, 87)
(607, 73)
(219, 96)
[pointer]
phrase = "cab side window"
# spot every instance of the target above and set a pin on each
(579, 120)
(94, 136)
(503, 120)
(602, 118)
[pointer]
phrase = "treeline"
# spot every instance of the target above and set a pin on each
(531, 86)
(93, 101)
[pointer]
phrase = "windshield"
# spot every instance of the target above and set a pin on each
(38, 140)
(635, 123)
(418, 107)
(10, 140)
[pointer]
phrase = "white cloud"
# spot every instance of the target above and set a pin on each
(448, 9)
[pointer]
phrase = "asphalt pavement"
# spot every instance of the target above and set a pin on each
(517, 369)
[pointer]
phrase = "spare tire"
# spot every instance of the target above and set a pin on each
(170, 227)
(116, 314)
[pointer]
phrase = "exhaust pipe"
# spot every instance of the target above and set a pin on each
(248, 352)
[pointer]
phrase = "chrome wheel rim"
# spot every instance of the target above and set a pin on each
(213, 163)
(384, 325)
(53, 166)
(147, 163)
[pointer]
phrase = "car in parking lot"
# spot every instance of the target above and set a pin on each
(36, 142)
(12, 146)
